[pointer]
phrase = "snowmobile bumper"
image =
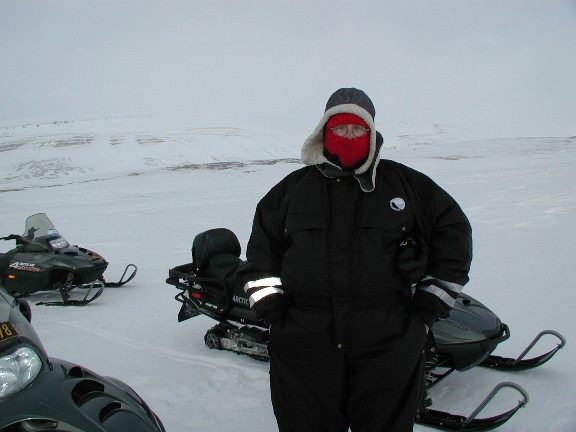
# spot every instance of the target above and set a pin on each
(464, 356)
(208, 296)
(21, 281)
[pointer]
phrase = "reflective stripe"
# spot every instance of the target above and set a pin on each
(450, 286)
(266, 282)
(440, 293)
(260, 294)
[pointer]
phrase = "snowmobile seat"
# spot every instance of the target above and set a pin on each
(216, 253)
(212, 284)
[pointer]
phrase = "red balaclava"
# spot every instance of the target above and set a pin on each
(349, 151)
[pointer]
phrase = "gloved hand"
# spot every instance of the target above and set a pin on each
(430, 307)
(412, 259)
(271, 309)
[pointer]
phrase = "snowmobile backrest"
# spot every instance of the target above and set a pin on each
(215, 253)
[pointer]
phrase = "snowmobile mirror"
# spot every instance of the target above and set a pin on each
(25, 309)
(12, 237)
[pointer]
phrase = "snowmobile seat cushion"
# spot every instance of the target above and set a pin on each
(216, 253)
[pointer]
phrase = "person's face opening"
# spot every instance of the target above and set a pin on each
(350, 131)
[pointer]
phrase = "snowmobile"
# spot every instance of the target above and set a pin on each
(41, 393)
(44, 261)
(209, 285)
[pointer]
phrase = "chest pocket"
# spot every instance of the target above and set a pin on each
(304, 260)
(389, 224)
(377, 239)
(306, 225)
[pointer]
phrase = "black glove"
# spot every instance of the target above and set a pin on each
(271, 309)
(430, 307)
(412, 259)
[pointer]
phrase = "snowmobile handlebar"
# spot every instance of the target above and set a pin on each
(16, 237)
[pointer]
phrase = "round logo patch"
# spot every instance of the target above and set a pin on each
(397, 204)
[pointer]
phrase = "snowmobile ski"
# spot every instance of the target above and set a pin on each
(65, 293)
(453, 422)
(122, 281)
(519, 363)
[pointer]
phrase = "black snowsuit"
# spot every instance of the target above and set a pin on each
(328, 269)
(348, 348)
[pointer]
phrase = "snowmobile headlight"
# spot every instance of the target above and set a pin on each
(17, 370)
(59, 243)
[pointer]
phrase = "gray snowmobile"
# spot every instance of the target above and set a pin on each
(44, 261)
(39, 393)
(209, 285)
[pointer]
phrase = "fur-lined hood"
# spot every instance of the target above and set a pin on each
(355, 102)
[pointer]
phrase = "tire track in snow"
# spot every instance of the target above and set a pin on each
(212, 363)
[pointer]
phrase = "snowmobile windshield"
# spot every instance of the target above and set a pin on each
(40, 230)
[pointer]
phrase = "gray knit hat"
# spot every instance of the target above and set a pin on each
(351, 96)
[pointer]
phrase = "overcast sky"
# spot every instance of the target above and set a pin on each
(487, 68)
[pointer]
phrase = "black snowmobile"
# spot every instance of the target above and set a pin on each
(209, 285)
(44, 261)
(40, 393)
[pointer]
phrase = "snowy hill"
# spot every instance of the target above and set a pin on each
(519, 194)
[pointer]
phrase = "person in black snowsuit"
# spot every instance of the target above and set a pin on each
(350, 261)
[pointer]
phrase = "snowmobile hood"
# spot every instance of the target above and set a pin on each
(469, 321)
(72, 258)
(77, 399)
(64, 396)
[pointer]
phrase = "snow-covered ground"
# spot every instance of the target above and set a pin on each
(136, 124)
(140, 194)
